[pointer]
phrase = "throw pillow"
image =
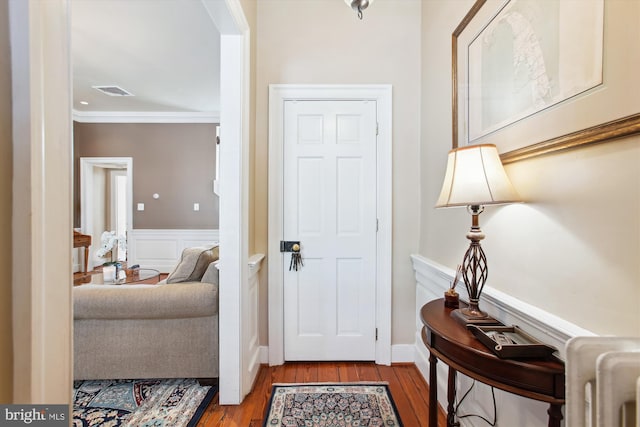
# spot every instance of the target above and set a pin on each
(193, 264)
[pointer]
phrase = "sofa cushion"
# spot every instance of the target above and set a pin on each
(181, 300)
(193, 264)
(211, 274)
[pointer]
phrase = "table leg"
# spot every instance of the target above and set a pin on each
(451, 397)
(86, 258)
(555, 415)
(433, 391)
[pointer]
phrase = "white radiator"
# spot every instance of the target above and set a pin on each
(603, 382)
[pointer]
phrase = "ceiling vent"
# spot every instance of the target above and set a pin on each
(112, 90)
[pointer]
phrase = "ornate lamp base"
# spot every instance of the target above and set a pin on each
(474, 273)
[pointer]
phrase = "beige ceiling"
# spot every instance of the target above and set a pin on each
(165, 52)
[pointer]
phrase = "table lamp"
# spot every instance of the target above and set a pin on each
(475, 178)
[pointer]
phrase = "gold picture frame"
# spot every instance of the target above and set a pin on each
(597, 114)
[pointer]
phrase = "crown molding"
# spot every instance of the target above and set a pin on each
(144, 117)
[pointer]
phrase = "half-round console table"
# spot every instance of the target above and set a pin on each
(451, 342)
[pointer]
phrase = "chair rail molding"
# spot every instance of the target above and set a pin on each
(432, 280)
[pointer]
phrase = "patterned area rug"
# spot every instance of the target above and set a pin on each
(329, 405)
(156, 402)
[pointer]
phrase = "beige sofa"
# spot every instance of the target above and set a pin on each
(168, 330)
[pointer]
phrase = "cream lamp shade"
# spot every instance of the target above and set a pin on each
(475, 176)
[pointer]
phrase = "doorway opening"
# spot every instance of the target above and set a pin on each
(118, 210)
(42, 301)
(106, 200)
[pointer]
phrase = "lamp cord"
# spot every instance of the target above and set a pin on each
(495, 409)
(359, 13)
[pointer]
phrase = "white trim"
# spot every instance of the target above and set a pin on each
(161, 249)
(382, 94)
(432, 280)
(264, 354)
(400, 353)
(251, 332)
(86, 195)
(42, 200)
(255, 263)
(228, 16)
(234, 190)
(145, 117)
(403, 353)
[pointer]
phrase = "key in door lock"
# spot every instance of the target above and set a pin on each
(296, 257)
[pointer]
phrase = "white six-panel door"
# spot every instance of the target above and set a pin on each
(329, 205)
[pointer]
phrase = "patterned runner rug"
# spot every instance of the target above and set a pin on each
(155, 402)
(328, 405)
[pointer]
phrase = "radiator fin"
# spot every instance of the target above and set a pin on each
(603, 382)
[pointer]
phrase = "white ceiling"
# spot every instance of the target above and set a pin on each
(165, 52)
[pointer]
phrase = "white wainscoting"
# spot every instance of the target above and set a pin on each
(251, 352)
(161, 249)
(432, 280)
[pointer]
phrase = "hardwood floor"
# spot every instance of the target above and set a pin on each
(409, 390)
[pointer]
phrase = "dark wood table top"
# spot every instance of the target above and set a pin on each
(80, 240)
(454, 344)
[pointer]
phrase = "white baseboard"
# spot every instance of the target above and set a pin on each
(264, 354)
(161, 249)
(400, 353)
(403, 353)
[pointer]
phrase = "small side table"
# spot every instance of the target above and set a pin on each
(82, 240)
(451, 342)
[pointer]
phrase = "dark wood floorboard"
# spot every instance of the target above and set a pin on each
(409, 390)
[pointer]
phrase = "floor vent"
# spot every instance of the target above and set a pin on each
(603, 382)
(113, 90)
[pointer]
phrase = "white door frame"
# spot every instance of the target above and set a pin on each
(278, 94)
(234, 192)
(115, 205)
(42, 220)
(86, 193)
(42, 199)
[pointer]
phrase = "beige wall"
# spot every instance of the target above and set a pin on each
(573, 247)
(6, 169)
(177, 161)
(323, 42)
(249, 8)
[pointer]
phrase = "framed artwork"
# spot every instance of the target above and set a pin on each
(536, 76)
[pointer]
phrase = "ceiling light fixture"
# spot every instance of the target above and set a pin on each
(358, 5)
(84, 103)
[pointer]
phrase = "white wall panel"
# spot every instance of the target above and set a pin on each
(161, 249)
(310, 129)
(349, 284)
(349, 191)
(310, 178)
